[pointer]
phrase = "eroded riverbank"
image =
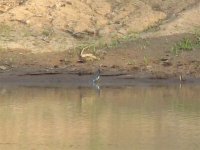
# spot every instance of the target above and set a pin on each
(150, 58)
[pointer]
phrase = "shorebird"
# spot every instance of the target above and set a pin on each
(181, 78)
(96, 76)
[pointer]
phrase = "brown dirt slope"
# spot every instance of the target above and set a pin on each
(57, 25)
(54, 25)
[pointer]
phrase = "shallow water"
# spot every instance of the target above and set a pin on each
(127, 118)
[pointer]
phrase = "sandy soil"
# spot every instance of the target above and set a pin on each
(34, 51)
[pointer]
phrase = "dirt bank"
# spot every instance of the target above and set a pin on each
(148, 39)
(157, 58)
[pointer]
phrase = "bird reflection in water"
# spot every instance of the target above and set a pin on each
(95, 81)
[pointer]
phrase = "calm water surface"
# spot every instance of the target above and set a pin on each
(129, 118)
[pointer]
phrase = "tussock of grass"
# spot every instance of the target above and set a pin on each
(184, 45)
(187, 44)
(47, 32)
(146, 61)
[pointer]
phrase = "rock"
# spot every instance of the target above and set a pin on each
(149, 67)
(3, 68)
(114, 66)
(164, 59)
(166, 64)
(122, 31)
(56, 66)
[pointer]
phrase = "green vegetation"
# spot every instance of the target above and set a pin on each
(131, 62)
(128, 37)
(102, 43)
(186, 45)
(146, 61)
(47, 32)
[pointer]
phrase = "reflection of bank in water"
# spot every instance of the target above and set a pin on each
(120, 117)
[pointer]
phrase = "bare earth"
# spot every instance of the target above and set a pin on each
(42, 42)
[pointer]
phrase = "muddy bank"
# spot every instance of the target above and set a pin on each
(160, 57)
(60, 78)
(118, 36)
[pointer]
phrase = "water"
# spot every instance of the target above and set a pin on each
(129, 118)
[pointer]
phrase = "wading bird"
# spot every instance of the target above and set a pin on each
(96, 76)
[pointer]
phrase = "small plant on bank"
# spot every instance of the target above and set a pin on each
(129, 37)
(184, 45)
(131, 62)
(146, 61)
(47, 32)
